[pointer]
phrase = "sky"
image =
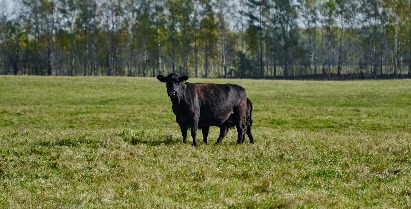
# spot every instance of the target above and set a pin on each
(10, 4)
(10, 8)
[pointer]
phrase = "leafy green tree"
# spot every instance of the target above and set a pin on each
(254, 35)
(284, 31)
(187, 9)
(373, 22)
(86, 30)
(32, 24)
(142, 25)
(208, 35)
(290, 38)
(328, 11)
(115, 36)
(49, 15)
(160, 35)
(172, 43)
(345, 14)
(310, 18)
(195, 25)
(12, 46)
(399, 32)
(226, 15)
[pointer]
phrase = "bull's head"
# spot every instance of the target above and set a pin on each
(173, 84)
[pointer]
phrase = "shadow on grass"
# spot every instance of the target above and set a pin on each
(150, 139)
(164, 140)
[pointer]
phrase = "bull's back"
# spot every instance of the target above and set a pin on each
(217, 102)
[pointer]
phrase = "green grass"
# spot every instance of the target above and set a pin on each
(92, 142)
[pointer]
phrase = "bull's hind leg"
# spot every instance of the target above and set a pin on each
(241, 135)
(223, 133)
(250, 136)
(240, 116)
(205, 134)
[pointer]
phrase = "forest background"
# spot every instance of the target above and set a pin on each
(290, 39)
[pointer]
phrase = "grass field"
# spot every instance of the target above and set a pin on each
(92, 142)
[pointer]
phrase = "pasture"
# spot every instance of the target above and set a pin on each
(92, 142)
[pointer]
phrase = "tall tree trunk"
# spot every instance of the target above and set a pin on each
(396, 55)
(323, 56)
(50, 24)
(16, 58)
(206, 59)
(261, 41)
(173, 56)
(49, 39)
(49, 68)
(108, 62)
(261, 55)
(409, 60)
(223, 39)
(196, 55)
(315, 51)
(339, 67)
(85, 55)
(383, 48)
(223, 58)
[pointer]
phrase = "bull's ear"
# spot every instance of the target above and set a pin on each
(183, 78)
(161, 78)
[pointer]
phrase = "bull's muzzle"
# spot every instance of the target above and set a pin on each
(172, 94)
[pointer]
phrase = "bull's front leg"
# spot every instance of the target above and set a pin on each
(184, 129)
(194, 127)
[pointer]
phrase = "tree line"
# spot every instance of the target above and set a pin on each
(328, 39)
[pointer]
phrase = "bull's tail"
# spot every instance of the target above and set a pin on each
(249, 113)
(249, 120)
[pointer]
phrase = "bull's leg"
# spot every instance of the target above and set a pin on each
(194, 128)
(240, 131)
(194, 134)
(205, 134)
(241, 121)
(184, 129)
(249, 120)
(250, 136)
(223, 133)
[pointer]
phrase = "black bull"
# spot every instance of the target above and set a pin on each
(201, 105)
